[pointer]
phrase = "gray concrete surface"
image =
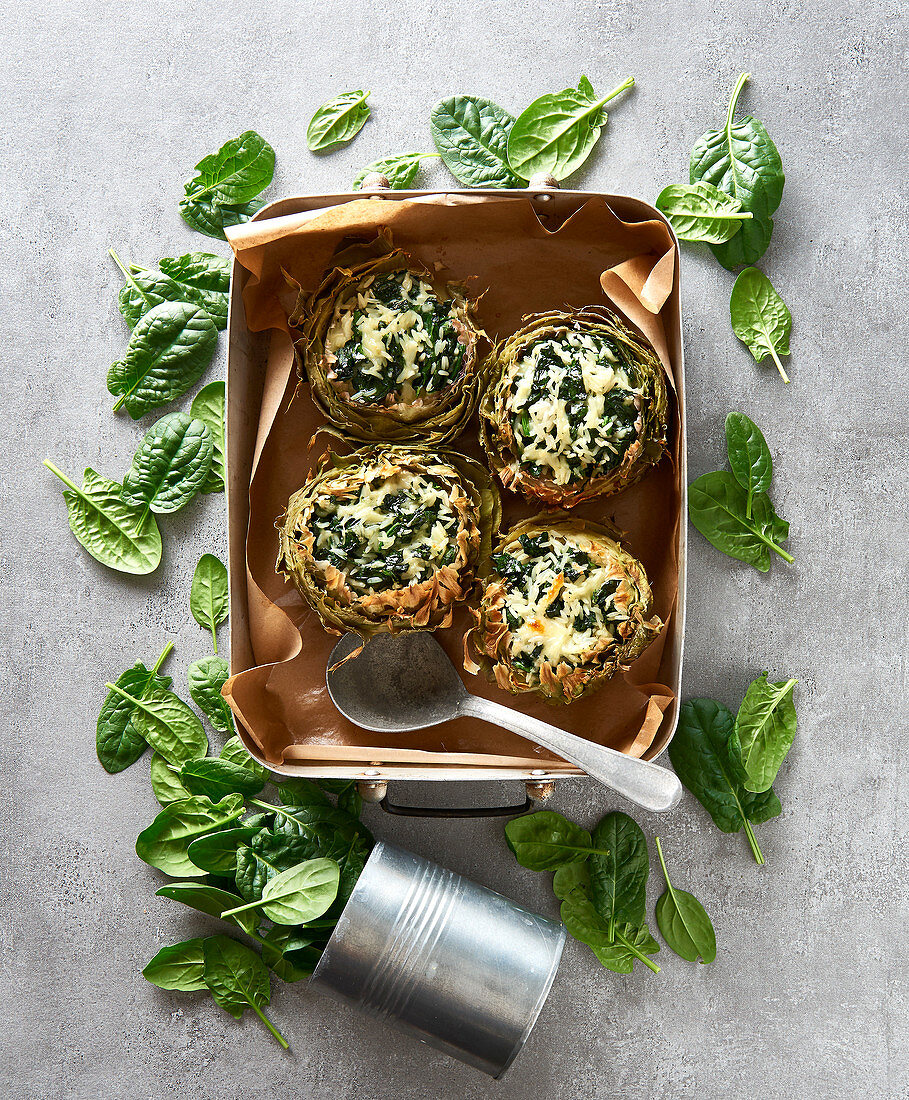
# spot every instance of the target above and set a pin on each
(106, 108)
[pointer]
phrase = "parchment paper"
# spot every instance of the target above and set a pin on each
(523, 266)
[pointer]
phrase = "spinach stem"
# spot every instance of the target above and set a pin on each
(242, 908)
(733, 101)
(659, 849)
(66, 481)
(752, 840)
(617, 91)
(271, 1027)
(779, 550)
(779, 365)
(128, 276)
(164, 654)
(740, 215)
(638, 954)
(214, 634)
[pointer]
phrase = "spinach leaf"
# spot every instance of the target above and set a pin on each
(167, 724)
(615, 945)
(204, 278)
(741, 160)
(117, 740)
(764, 731)
(208, 406)
(206, 677)
(171, 465)
(471, 135)
(290, 954)
(177, 967)
(297, 895)
(115, 533)
(301, 792)
(337, 121)
(684, 922)
(315, 820)
(164, 843)
(558, 131)
(545, 840)
(760, 317)
(701, 212)
(208, 899)
(238, 979)
(198, 277)
(253, 872)
(212, 218)
(216, 778)
(236, 752)
(619, 869)
(749, 456)
(350, 801)
(718, 507)
(165, 781)
(208, 595)
(217, 852)
(400, 170)
(240, 169)
(168, 352)
(700, 754)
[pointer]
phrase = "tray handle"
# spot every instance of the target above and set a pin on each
(534, 791)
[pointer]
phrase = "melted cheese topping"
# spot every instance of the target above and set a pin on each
(389, 533)
(573, 408)
(559, 600)
(393, 340)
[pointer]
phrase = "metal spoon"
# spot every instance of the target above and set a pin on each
(406, 682)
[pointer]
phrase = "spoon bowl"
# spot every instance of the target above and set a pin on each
(406, 682)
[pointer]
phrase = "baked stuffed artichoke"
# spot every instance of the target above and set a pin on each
(576, 408)
(391, 353)
(388, 538)
(564, 608)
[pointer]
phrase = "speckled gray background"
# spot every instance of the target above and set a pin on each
(106, 106)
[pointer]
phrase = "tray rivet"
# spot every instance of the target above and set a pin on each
(371, 771)
(537, 771)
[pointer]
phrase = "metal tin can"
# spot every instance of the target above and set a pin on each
(459, 966)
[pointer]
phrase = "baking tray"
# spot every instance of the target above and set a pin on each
(246, 356)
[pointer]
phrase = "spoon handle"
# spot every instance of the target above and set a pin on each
(644, 783)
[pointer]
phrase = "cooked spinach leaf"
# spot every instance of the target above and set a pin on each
(760, 317)
(337, 121)
(471, 135)
(115, 533)
(168, 352)
(700, 755)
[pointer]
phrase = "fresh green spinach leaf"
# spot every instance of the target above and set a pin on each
(337, 121)
(208, 899)
(544, 840)
(168, 352)
(238, 979)
(236, 752)
(237, 173)
(212, 218)
(290, 954)
(200, 278)
(117, 740)
(301, 792)
(171, 465)
(297, 895)
(760, 317)
(206, 677)
(164, 843)
(400, 170)
(208, 595)
(471, 135)
(630, 943)
(684, 922)
(167, 724)
(177, 967)
(165, 781)
(115, 533)
(558, 131)
(700, 755)
(619, 869)
(749, 456)
(216, 778)
(208, 406)
(701, 212)
(217, 852)
(742, 160)
(718, 507)
(764, 731)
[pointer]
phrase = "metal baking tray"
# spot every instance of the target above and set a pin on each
(247, 350)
